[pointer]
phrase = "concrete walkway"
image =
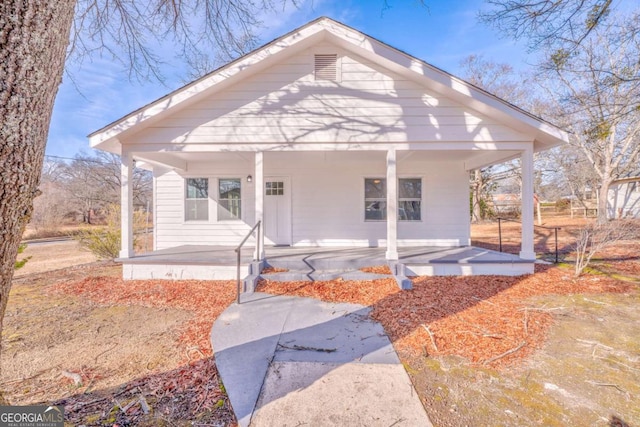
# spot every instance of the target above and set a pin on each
(292, 361)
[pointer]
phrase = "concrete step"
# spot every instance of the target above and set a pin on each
(322, 264)
(320, 275)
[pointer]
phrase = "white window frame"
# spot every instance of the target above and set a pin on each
(220, 199)
(409, 199)
(187, 199)
(404, 199)
(374, 199)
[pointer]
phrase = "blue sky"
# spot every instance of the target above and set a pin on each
(443, 33)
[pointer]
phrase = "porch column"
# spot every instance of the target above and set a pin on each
(392, 206)
(258, 180)
(526, 195)
(126, 204)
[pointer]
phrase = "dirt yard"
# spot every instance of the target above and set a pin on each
(545, 349)
(51, 256)
(111, 351)
(486, 235)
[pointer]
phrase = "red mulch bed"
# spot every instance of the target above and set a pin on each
(207, 299)
(377, 269)
(272, 270)
(476, 317)
(365, 292)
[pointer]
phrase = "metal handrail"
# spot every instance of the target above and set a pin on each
(238, 252)
(555, 229)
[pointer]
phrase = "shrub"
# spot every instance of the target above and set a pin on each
(596, 237)
(104, 241)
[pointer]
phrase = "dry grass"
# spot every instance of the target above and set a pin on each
(50, 257)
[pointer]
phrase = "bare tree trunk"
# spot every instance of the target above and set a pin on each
(475, 201)
(34, 35)
(603, 193)
(476, 195)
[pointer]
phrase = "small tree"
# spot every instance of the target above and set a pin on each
(597, 236)
(104, 242)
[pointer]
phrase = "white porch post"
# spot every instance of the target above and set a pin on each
(392, 206)
(259, 202)
(527, 249)
(126, 204)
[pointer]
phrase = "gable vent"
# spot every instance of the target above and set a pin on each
(326, 67)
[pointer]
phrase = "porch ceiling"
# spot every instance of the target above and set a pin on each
(472, 158)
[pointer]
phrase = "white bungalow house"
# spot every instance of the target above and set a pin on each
(624, 198)
(332, 139)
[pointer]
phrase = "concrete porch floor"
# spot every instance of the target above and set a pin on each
(357, 256)
(209, 262)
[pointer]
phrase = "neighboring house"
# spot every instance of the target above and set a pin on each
(624, 198)
(331, 138)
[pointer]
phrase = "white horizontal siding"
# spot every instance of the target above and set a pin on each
(327, 201)
(347, 132)
(272, 120)
(172, 229)
(285, 104)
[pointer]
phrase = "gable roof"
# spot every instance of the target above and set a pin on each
(545, 134)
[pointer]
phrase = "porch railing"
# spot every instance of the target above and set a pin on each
(555, 232)
(239, 255)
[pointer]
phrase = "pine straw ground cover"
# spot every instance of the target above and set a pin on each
(488, 320)
(191, 394)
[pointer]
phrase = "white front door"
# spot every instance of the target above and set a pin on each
(277, 210)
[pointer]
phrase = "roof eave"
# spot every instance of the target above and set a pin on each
(547, 134)
(195, 89)
(444, 82)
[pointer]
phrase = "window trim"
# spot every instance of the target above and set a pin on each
(399, 220)
(187, 198)
(410, 199)
(220, 199)
(278, 190)
(373, 199)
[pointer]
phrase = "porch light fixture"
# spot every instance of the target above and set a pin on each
(249, 178)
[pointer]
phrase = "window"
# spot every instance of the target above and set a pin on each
(197, 199)
(409, 199)
(274, 188)
(229, 201)
(375, 199)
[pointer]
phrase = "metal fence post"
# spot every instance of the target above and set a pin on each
(556, 232)
(500, 232)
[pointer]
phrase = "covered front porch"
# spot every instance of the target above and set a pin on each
(319, 263)
(373, 196)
